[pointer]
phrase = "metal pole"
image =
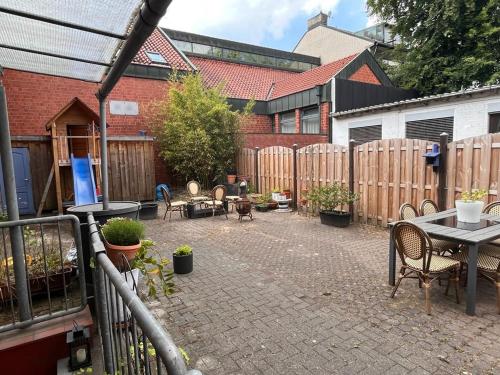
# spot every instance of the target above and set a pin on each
(16, 234)
(104, 155)
(443, 149)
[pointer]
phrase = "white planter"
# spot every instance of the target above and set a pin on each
(275, 196)
(469, 211)
(117, 311)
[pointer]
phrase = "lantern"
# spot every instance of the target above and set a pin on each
(78, 340)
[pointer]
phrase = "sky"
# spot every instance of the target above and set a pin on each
(270, 23)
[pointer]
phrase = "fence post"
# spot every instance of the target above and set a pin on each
(256, 169)
(352, 143)
(441, 189)
(295, 193)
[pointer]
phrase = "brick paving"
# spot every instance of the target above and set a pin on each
(286, 295)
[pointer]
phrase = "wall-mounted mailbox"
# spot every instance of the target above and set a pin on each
(432, 157)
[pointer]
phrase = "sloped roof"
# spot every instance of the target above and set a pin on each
(78, 103)
(241, 81)
(309, 79)
(159, 42)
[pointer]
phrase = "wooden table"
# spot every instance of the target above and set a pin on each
(444, 225)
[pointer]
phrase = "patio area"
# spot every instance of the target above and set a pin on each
(284, 294)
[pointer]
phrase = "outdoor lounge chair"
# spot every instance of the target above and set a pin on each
(194, 191)
(428, 207)
(416, 252)
(171, 206)
(218, 198)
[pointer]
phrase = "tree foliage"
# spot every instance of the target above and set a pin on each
(198, 132)
(446, 45)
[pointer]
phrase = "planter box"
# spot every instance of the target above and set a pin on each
(469, 212)
(183, 263)
(335, 218)
(148, 210)
(261, 207)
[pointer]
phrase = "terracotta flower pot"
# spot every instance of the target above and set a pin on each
(115, 253)
(231, 178)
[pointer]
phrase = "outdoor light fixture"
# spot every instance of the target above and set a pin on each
(78, 340)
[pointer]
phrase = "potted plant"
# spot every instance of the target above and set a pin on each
(231, 176)
(122, 236)
(183, 259)
(327, 199)
(470, 206)
(275, 194)
(262, 202)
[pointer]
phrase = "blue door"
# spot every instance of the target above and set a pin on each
(24, 186)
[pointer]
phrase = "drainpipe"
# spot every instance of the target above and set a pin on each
(104, 155)
(16, 234)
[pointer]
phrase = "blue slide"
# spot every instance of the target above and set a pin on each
(83, 180)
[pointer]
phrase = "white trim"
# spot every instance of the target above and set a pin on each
(365, 123)
(426, 115)
(493, 107)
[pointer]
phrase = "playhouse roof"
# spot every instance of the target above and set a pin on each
(81, 105)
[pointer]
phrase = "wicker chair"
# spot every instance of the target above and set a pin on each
(171, 206)
(194, 190)
(487, 266)
(218, 199)
(415, 250)
(407, 212)
(493, 248)
(428, 207)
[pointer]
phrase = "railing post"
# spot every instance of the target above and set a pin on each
(256, 169)
(441, 189)
(295, 193)
(352, 144)
(16, 234)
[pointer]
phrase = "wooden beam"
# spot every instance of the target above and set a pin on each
(45, 192)
(55, 153)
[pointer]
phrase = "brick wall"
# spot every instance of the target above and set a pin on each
(366, 75)
(257, 124)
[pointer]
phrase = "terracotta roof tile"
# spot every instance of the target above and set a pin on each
(241, 81)
(307, 80)
(157, 42)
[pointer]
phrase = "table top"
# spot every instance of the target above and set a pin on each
(444, 225)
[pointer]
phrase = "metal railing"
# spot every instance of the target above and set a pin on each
(53, 264)
(133, 341)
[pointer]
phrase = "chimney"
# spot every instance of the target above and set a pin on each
(320, 19)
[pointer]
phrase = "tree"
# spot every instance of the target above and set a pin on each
(447, 45)
(198, 132)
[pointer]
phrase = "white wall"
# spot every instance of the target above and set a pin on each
(471, 118)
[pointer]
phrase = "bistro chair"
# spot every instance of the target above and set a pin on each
(172, 206)
(194, 190)
(415, 250)
(407, 212)
(218, 199)
(487, 266)
(493, 248)
(428, 207)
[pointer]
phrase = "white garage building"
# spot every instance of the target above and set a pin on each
(461, 114)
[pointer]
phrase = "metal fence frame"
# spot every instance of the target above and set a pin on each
(81, 275)
(115, 359)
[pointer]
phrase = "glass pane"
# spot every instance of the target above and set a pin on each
(287, 122)
(183, 46)
(202, 49)
(310, 121)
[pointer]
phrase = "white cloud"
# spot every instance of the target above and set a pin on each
(248, 21)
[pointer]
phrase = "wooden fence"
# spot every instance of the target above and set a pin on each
(386, 172)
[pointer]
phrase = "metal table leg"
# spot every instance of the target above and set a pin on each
(471, 280)
(392, 260)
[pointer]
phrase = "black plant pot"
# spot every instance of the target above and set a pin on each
(335, 218)
(261, 207)
(183, 263)
(148, 210)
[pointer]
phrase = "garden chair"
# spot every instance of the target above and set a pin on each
(493, 248)
(428, 207)
(487, 266)
(407, 212)
(218, 199)
(171, 206)
(414, 247)
(194, 191)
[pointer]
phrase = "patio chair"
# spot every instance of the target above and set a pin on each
(414, 247)
(194, 191)
(171, 206)
(493, 248)
(407, 212)
(428, 207)
(218, 199)
(487, 266)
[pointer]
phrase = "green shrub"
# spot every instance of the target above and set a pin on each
(327, 198)
(183, 250)
(123, 231)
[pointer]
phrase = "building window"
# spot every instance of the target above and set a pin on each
(310, 121)
(430, 129)
(365, 134)
(495, 122)
(156, 57)
(287, 122)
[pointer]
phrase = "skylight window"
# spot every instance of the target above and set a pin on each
(156, 57)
